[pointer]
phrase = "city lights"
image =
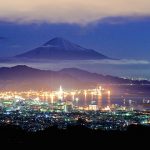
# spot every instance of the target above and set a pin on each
(64, 106)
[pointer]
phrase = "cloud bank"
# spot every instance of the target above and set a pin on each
(121, 62)
(70, 11)
(75, 63)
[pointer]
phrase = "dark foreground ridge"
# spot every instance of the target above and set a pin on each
(73, 135)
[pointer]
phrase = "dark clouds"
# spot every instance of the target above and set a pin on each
(2, 38)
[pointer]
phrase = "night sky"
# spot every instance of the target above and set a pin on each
(122, 39)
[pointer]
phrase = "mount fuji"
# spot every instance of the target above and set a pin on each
(62, 49)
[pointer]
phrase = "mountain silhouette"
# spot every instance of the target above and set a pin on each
(62, 49)
(22, 77)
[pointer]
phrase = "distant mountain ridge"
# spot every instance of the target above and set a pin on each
(24, 77)
(62, 49)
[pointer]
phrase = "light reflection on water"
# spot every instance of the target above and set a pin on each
(136, 102)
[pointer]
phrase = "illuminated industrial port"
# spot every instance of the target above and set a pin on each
(37, 110)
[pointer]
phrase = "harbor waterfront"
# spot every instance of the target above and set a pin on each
(93, 108)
